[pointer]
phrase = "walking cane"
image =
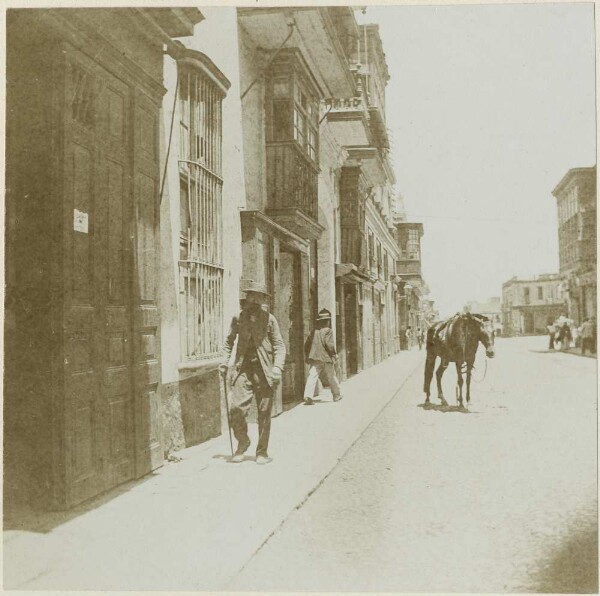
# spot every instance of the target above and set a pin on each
(224, 377)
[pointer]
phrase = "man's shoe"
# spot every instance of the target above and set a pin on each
(308, 401)
(238, 457)
(338, 398)
(263, 459)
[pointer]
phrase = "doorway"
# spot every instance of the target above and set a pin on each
(528, 323)
(288, 312)
(351, 328)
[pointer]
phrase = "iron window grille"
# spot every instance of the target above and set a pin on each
(201, 210)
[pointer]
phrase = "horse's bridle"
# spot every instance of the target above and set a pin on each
(464, 347)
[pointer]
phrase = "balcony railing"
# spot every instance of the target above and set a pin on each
(291, 179)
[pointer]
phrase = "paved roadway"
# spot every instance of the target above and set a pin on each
(500, 499)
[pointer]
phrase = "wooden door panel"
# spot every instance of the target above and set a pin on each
(81, 172)
(83, 438)
(117, 226)
(118, 403)
(98, 327)
(149, 451)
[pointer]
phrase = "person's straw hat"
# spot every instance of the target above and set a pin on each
(324, 315)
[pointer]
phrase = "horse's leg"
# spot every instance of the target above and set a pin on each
(469, 370)
(438, 375)
(429, 366)
(460, 383)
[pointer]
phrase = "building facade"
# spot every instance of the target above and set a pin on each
(529, 305)
(576, 200)
(366, 248)
(413, 314)
(150, 170)
(83, 361)
(203, 191)
(291, 164)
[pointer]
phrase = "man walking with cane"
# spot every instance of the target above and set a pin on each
(259, 360)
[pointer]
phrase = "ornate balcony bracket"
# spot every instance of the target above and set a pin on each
(296, 221)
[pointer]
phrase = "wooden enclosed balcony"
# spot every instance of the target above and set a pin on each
(292, 189)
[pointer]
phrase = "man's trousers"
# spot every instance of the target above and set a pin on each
(325, 370)
(251, 383)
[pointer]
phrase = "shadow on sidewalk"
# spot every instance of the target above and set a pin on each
(22, 518)
(227, 458)
(441, 408)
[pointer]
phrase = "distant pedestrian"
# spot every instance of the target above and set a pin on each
(551, 334)
(408, 338)
(321, 355)
(420, 338)
(565, 336)
(587, 338)
(259, 359)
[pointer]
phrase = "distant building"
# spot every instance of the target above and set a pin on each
(529, 304)
(366, 253)
(492, 309)
(413, 286)
(576, 203)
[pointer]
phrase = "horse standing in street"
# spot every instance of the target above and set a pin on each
(456, 340)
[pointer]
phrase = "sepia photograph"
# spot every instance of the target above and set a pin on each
(300, 297)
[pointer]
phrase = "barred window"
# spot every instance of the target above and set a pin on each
(201, 234)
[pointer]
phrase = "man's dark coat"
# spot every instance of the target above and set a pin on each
(255, 328)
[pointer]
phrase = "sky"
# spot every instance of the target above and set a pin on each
(488, 107)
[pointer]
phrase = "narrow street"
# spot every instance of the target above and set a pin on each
(231, 234)
(500, 499)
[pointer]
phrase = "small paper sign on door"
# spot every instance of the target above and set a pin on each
(80, 221)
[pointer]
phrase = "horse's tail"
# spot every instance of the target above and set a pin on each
(430, 361)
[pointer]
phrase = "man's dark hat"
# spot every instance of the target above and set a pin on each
(249, 285)
(324, 315)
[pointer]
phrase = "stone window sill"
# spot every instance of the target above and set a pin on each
(198, 367)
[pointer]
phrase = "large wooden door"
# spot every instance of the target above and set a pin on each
(99, 409)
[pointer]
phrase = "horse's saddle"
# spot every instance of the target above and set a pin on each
(443, 329)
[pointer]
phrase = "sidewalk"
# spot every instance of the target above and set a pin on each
(194, 524)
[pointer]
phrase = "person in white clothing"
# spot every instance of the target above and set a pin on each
(321, 355)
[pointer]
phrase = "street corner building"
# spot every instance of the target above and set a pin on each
(530, 304)
(149, 170)
(576, 201)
